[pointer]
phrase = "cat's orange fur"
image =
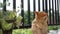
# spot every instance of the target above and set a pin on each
(39, 24)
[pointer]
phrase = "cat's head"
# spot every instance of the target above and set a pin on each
(41, 15)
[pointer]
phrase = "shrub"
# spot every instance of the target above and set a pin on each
(26, 17)
(8, 16)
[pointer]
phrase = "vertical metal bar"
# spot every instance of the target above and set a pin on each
(14, 4)
(14, 7)
(29, 12)
(38, 5)
(43, 4)
(53, 11)
(56, 13)
(46, 10)
(46, 6)
(4, 7)
(22, 11)
(49, 12)
(34, 6)
(58, 10)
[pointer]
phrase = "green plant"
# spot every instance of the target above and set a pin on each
(18, 20)
(22, 31)
(6, 25)
(26, 17)
(8, 16)
(53, 27)
(1, 13)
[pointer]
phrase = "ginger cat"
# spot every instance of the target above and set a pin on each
(39, 24)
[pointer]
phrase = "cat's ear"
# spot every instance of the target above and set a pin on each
(36, 13)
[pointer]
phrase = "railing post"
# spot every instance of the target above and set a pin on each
(29, 22)
(43, 4)
(4, 7)
(38, 5)
(46, 6)
(49, 12)
(34, 6)
(53, 18)
(14, 5)
(22, 11)
(55, 13)
(58, 11)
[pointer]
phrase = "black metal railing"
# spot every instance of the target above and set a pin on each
(53, 12)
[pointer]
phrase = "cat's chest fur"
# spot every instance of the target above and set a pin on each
(38, 24)
(39, 28)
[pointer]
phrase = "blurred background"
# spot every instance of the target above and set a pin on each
(26, 8)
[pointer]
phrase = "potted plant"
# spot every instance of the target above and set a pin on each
(9, 20)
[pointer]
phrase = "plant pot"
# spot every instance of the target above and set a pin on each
(7, 32)
(1, 31)
(0, 26)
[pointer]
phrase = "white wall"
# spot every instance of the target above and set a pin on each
(11, 5)
(18, 7)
